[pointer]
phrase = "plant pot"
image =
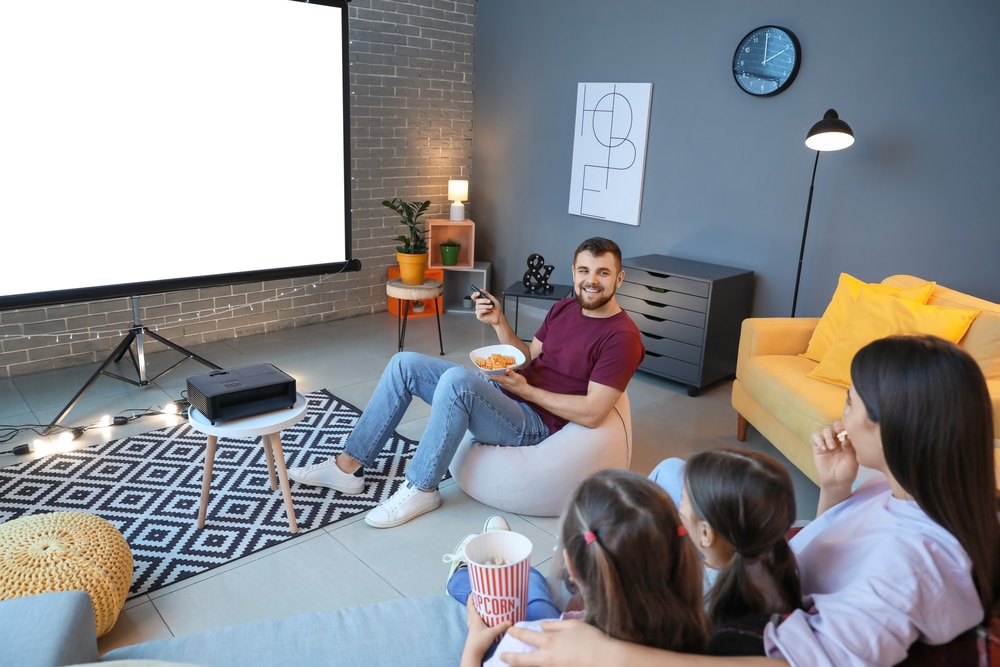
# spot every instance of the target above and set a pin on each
(411, 268)
(449, 254)
(467, 302)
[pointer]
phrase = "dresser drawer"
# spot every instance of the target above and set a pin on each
(668, 329)
(672, 368)
(667, 347)
(660, 311)
(654, 296)
(666, 282)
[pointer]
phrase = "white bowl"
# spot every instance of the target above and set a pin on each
(508, 350)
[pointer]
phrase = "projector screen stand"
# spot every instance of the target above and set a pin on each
(135, 335)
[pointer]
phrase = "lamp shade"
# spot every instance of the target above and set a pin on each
(458, 190)
(830, 134)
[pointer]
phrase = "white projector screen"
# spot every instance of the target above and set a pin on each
(156, 145)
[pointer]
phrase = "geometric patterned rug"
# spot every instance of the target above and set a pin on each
(149, 487)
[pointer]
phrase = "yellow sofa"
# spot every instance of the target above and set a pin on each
(773, 393)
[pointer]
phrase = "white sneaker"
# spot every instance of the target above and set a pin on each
(457, 557)
(495, 523)
(407, 503)
(329, 474)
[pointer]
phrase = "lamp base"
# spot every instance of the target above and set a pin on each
(457, 212)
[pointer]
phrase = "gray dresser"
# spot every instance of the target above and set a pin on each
(689, 314)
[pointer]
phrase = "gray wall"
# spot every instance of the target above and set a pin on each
(727, 174)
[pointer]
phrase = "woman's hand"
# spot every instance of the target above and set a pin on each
(836, 464)
(561, 643)
(480, 636)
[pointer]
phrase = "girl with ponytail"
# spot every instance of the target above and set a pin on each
(626, 551)
(737, 506)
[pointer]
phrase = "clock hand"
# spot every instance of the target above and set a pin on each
(765, 48)
(774, 56)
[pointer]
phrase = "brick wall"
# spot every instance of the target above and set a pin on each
(411, 71)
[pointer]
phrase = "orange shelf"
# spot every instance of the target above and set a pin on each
(394, 309)
(442, 229)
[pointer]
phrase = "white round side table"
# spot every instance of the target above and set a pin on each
(268, 426)
(430, 289)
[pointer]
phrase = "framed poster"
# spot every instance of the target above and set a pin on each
(609, 150)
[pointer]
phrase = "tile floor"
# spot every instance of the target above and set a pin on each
(347, 563)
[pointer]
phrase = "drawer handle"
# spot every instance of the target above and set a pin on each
(653, 336)
(650, 317)
(658, 290)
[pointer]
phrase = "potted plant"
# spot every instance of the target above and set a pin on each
(411, 253)
(449, 252)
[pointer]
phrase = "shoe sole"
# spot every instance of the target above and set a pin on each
(347, 490)
(400, 522)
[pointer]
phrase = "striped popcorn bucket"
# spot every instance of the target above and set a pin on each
(499, 563)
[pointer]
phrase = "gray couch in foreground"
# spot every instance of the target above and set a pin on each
(57, 629)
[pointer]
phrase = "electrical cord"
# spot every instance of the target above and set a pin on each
(9, 432)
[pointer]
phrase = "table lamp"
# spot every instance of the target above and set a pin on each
(458, 191)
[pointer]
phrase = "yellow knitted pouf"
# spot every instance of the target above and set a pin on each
(65, 551)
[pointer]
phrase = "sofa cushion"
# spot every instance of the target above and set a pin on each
(48, 630)
(875, 315)
(847, 292)
(983, 339)
(426, 631)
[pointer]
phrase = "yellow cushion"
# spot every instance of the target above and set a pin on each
(875, 315)
(66, 551)
(848, 290)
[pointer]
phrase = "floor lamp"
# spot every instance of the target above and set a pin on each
(830, 134)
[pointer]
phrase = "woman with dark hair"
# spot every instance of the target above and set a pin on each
(911, 555)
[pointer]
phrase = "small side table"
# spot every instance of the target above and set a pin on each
(429, 290)
(268, 426)
(518, 291)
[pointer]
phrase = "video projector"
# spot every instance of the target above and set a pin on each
(241, 392)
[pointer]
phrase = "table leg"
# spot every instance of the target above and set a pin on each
(517, 311)
(402, 325)
(437, 314)
(206, 480)
(279, 463)
(268, 456)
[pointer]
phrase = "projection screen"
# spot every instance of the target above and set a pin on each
(154, 145)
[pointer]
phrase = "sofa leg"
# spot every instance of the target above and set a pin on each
(741, 427)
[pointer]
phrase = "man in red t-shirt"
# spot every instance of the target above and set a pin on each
(581, 360)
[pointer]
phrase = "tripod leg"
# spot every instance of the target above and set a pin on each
(115, 354)
(187, 353)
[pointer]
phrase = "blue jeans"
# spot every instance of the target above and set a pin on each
(540, 606)
(669, 474)
(460, 398)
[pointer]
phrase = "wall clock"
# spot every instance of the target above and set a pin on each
(767, 60)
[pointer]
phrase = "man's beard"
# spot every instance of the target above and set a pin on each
(593, 305)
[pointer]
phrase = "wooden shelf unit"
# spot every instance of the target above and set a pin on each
(442, 229)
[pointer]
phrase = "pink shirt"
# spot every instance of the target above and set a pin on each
(878, 575)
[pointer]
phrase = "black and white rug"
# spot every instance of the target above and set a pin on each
(149, 487)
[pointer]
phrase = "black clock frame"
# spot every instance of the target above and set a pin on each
(784, 80)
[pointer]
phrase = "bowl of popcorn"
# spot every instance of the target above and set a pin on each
(497, 359)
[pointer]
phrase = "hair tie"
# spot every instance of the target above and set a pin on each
(681, 531)
(590, 537)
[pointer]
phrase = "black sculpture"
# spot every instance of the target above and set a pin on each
(536, 278)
